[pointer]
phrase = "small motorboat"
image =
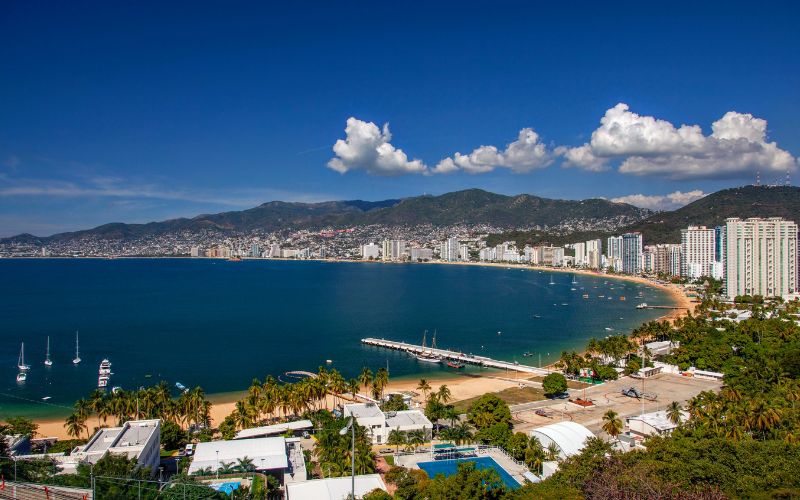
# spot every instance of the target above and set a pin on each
(181, 387)
(455, 364)
(22, 377)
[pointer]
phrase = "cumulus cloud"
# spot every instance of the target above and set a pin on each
(646, 145)
(658, 202)
(366, 147)
(520, 156)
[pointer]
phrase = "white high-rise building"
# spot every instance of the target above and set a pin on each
(697, 251)
(614, 247)
(421, 254)
(393, 249)
(450, 250)
(760, 257)
(632, 253)
(370, 251)
(463, 253)
(580, 254)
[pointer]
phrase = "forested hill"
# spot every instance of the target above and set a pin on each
(473, 206)
(665, 227)
(712, 210)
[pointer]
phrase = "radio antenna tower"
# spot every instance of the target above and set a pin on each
(758, 177)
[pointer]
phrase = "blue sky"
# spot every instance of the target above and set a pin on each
(138, 111)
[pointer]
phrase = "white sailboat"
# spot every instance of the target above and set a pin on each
(551, 280)
(47, 361)
(77, 352)
(428, 357)
(21, 363)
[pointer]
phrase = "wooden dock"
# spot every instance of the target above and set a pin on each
(461, 357)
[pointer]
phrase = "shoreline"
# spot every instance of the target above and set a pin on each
(463, 386)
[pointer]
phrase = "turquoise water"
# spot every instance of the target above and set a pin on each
(218, 324)
(450, 467)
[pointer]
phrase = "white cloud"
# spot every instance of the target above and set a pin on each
(646, 145)
(366, 147)
(658, 202)
(523, 155)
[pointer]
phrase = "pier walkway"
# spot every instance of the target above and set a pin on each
(455, 356)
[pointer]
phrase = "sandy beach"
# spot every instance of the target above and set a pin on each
(461, 386)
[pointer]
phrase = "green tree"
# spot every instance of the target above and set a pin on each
(172, 436)
(612, 424)
(487, 411)
(554, 383)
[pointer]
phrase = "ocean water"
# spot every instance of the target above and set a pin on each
(218, 324)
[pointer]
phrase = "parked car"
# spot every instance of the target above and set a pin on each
(189, 450)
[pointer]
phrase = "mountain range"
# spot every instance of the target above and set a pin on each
(665, 227)
(473, 207)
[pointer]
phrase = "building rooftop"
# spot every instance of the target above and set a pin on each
(407, 418)
(334, 488)
(570, 437)
(128, 440)
(363, 410)
(658, 420)
(270, 430)
(266, 453)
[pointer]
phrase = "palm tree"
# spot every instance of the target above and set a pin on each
(245, 464)
(227, 467)
(675, 413)
(416, 438)
(424, 386)
(444, 394)
(450, 414)
(376, 390)
(552, 452)
(613, 424)
(352, 387)
(382, 377)
(397, 438)
(365, 378)
(75, 424)
(535, 455)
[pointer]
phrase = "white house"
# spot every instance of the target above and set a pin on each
(654, 423)
(137, 439)
(267, 454)
(380, 424)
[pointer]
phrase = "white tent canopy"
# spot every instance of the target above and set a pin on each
(569, 437)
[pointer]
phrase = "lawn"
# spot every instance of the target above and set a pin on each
(512, 396)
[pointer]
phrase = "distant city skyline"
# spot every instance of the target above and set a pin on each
(142, 112)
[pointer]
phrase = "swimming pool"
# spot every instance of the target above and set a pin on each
(449, 467)
(226, 488)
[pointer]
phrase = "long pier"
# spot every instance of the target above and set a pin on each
(446, 354)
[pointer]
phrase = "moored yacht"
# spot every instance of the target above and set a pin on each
(428, 357)
(21, 362)
(77, 358)
(105, 367)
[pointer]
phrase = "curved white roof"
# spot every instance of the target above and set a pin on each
(570, 437)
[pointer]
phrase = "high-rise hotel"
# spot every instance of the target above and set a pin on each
(760, 257)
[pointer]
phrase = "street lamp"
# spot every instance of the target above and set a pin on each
(217, 464)
(351, 426)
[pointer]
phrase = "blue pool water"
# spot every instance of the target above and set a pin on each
(449, 467)
(226, 488)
